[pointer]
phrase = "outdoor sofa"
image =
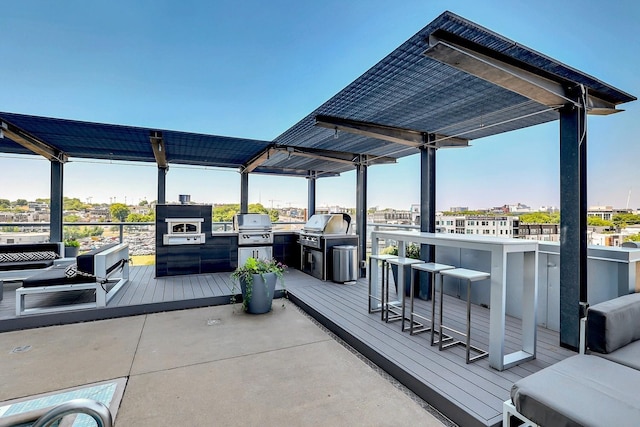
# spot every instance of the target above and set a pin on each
(597, 387)
(21, 260)
(104, 270)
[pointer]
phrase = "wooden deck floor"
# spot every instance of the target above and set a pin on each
(470, 395)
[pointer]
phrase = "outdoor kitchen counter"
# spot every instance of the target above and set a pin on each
(285, 247)
(498, 248)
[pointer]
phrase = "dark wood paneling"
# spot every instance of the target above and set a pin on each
(286, 249)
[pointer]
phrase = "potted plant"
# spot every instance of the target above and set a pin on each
(412, 250)
(71, 247)
(257, 278)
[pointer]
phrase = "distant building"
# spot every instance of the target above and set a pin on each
(459, 209)
(542, 232)
(606, 212)
(549, 209)
(393, 216)
(99, 213)
(518, 208)
(11, 238)
(496, 226)
(331, 209)
(596, 237)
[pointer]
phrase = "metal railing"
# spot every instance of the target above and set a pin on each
(96, 410)
(141, 235)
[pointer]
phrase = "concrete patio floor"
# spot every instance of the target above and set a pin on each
(210, 366)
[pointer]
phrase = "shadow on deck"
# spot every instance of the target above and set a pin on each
(469, 395)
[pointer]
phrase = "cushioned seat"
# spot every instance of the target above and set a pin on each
(578, 391)
(26, 265)
(629, 355)
(85, 261)
(55, 276)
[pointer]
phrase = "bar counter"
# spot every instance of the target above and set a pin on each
(498, 248)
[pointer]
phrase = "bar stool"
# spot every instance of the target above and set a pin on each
(470, 276)
(416, 327)
(379, 258)
(397, 308)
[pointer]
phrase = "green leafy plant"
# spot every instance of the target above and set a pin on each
(71, 243)
(412, 250)
(246, 272)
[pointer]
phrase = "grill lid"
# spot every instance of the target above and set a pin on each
(335, 223)
(251, 221)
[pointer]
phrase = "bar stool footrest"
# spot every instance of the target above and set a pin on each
(446, 338)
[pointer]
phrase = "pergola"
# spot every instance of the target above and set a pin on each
(452, 82)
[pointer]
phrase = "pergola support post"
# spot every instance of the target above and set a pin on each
(162, 186)
(427, 212)
(56, 207)
(361, 215)
(311, 196)
(573, 221)
(244, 192)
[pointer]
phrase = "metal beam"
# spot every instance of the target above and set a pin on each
(258, 160)
(408, 137)
(268, 170)
(159, 148)
(244, 193)
(56, 204)
(427, 213)
(162, 185)
(361, 215)
(335, 156)
(32, 143)
(533, 86)
(314, 153)
(311, 196)
(573, 222)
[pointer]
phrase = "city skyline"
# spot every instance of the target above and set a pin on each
(221, 70)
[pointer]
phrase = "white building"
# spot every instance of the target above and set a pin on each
(496, 226)
(606, 212)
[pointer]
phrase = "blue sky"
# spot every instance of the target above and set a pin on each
(254, 68)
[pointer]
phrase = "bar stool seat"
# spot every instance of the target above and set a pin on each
(416, 327)
(397, 307)
(381, 258)
(470, 276)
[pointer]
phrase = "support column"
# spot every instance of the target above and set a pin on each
(573, 221)
(361, 214)
(162, 186)
(56, 206)
(311, 196)
(427, 212)
(244, 192)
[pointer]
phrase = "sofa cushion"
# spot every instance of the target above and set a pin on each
(613, 324)
(55, 276)
(85, 261)
(13, 266)
(578, 391)
(29, 247)
(27, 256)
(629, 355)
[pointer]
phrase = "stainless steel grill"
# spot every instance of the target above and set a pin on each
(255, 236)
(320, 226)
(317, 238)
(253, 229)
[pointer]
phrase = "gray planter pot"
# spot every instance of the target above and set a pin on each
(261, 294)
(71, 251)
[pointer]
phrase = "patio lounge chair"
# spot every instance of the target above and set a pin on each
(96, 270)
